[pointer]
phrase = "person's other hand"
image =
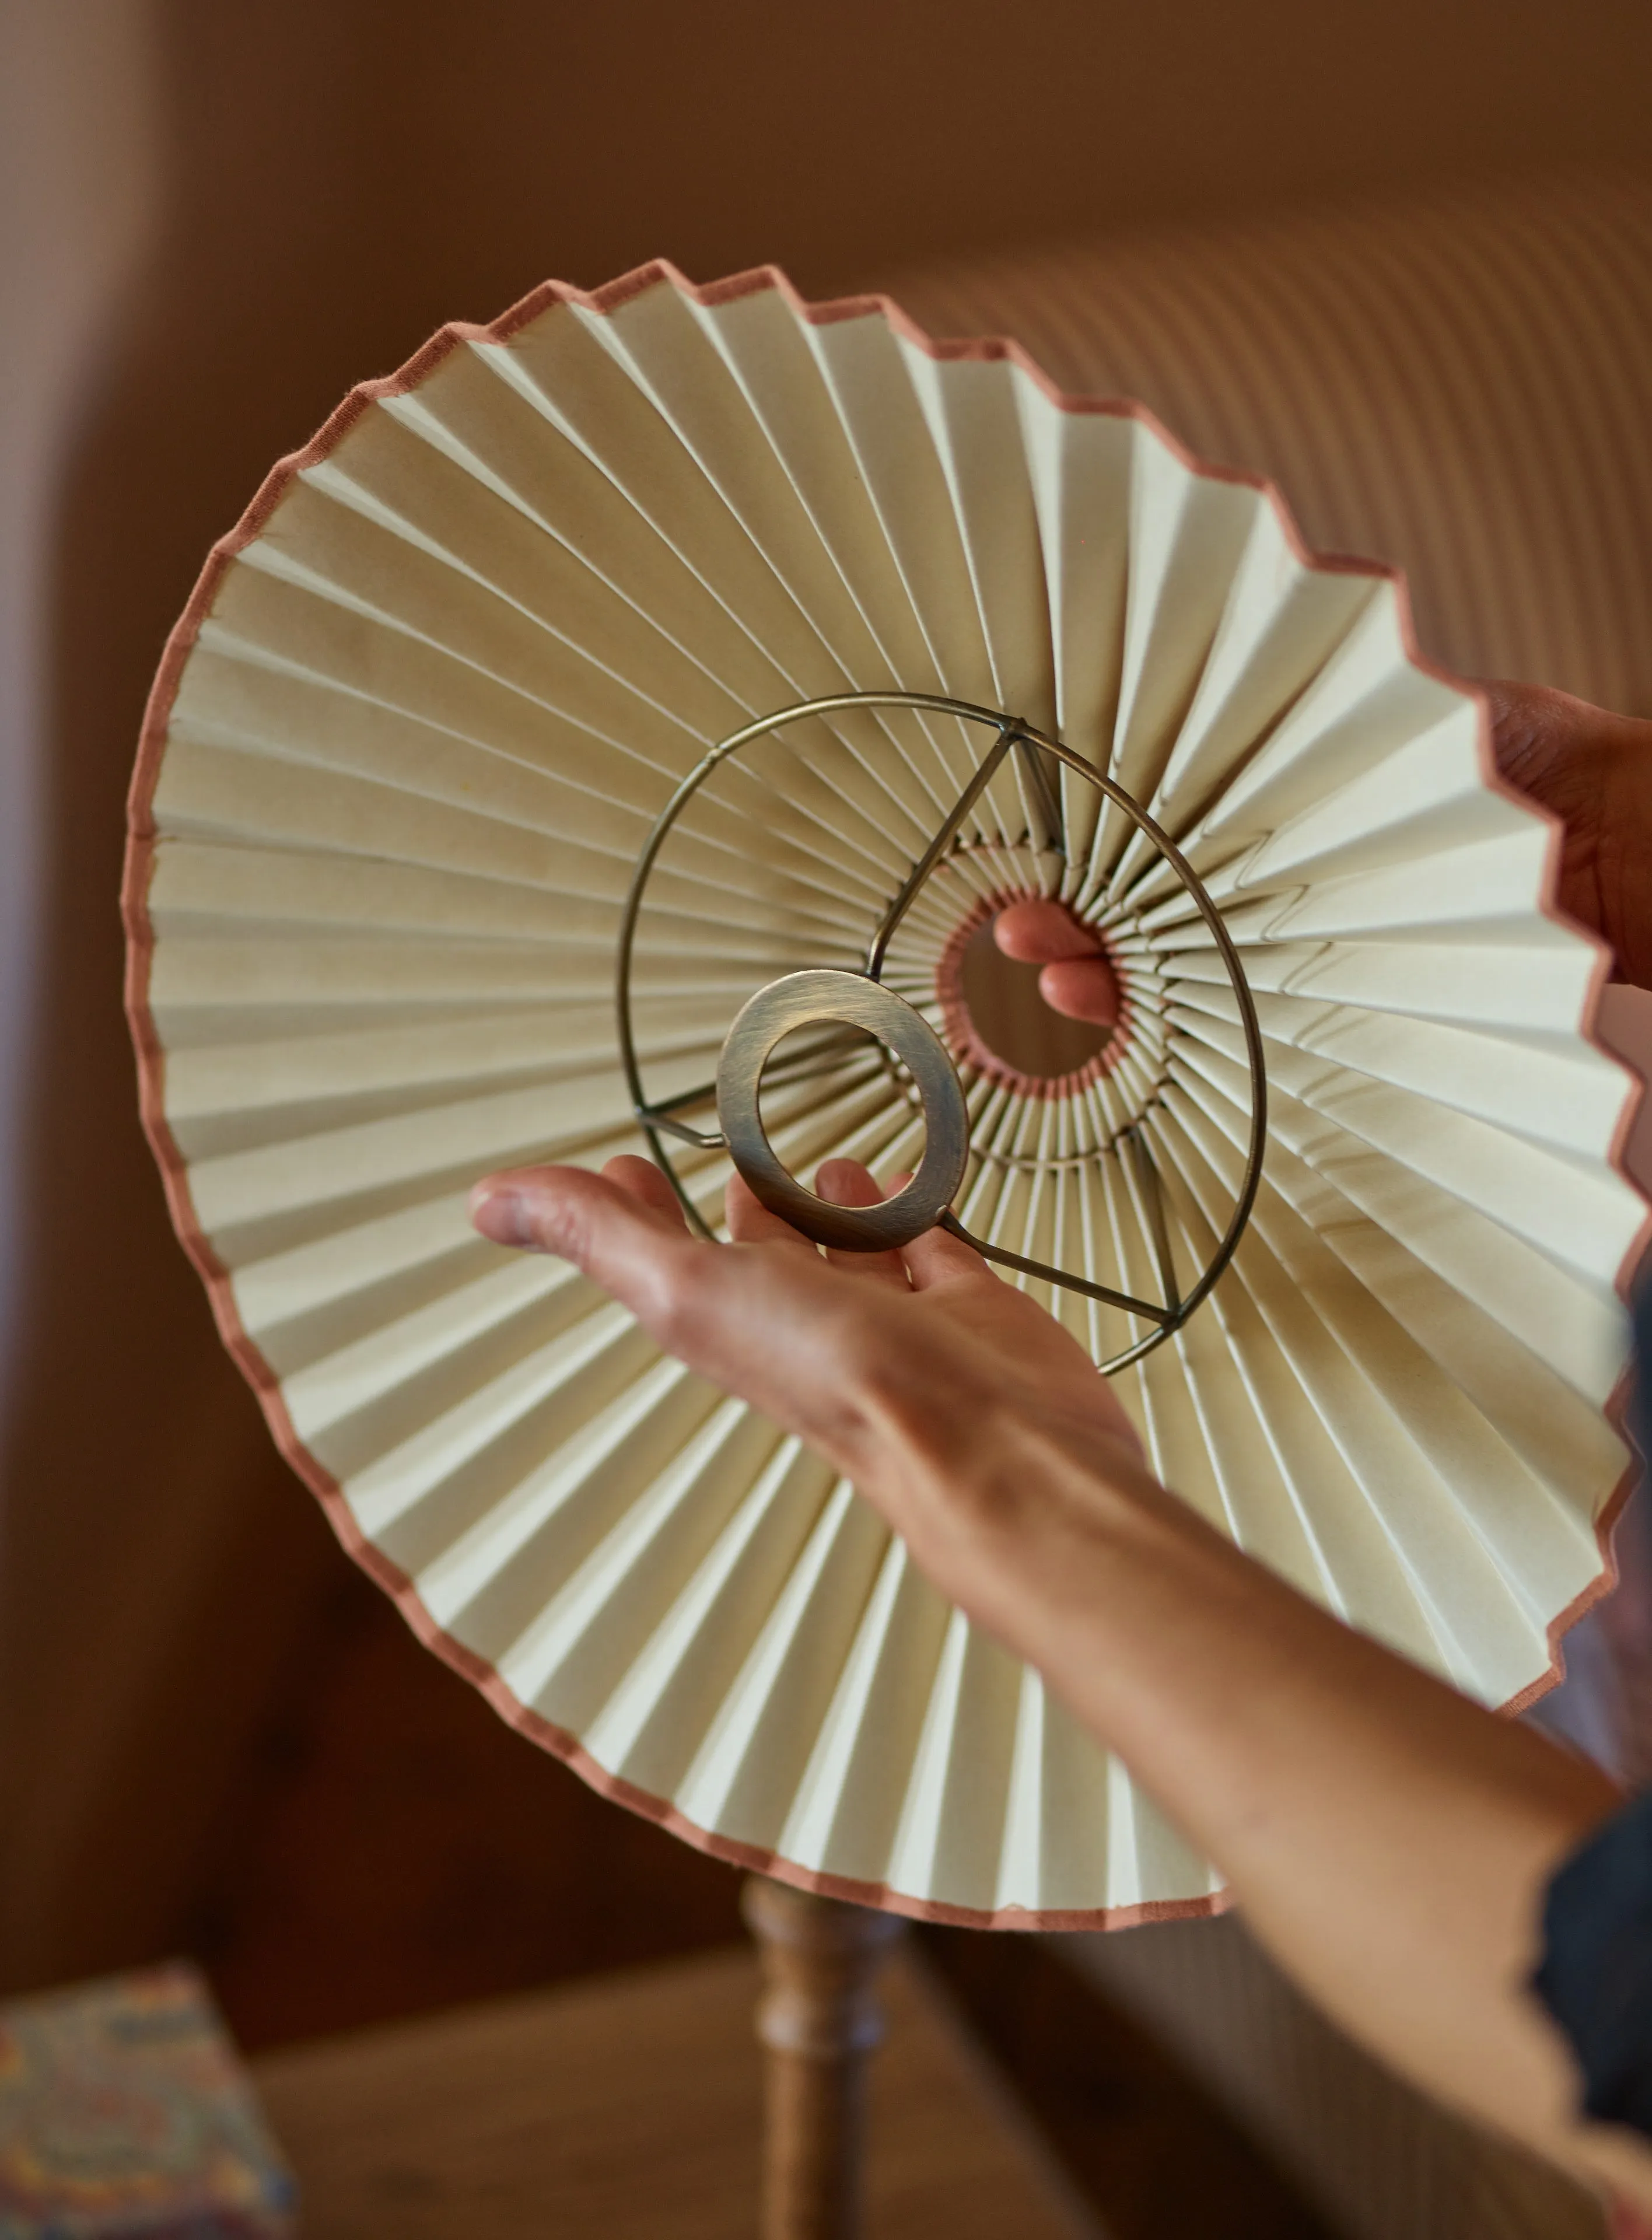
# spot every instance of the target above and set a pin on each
(1594, 770)
(1077, 979)
(901, 1367)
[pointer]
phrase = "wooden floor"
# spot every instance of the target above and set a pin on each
(628, 2108)
(396, 1849)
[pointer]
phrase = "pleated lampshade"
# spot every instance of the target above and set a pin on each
(406, 746)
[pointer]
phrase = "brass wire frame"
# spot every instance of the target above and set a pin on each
(658, 1121)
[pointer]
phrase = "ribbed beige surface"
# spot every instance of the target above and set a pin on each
(407, 741)
(1463, 384)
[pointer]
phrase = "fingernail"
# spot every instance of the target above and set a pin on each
(500, 1213)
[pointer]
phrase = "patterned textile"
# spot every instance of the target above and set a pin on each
(124, 2111)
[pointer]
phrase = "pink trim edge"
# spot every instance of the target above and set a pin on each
(151, 1059)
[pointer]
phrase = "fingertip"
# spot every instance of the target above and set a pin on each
(846, 1182)
(1082, 988)
(499, 1212)
(567, 1211)
(534, 1209)
(1038, 932)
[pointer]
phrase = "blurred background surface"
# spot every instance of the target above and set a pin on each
(1398, 255)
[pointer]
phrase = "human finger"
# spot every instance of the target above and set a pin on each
(643, 1180)
(846, 1182)
(1077, 979)
(1537, 731)
(693, 1295)
(1082, 988)
(751, 1223)
(939, 1256)
(777, 1328)
(1037, 932)
(1592, 769)
(562, 1209)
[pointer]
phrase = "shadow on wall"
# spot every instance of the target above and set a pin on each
(341, 176)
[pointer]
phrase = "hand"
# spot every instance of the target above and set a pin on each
(1593, 771)
(899, 1367)
(1389, 1840)
(1077, 980)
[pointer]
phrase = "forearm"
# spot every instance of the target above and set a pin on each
(1389, 1841)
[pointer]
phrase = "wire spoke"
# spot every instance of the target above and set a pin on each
(1099, 1127)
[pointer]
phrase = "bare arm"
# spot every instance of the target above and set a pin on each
(1389, 1841)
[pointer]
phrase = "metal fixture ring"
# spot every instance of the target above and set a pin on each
(808, 1213)
(803, 999)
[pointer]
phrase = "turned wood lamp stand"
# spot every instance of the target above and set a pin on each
(818, 2019)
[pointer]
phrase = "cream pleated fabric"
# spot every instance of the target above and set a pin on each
(404, 748)
(1460, 379)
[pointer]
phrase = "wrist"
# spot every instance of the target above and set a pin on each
(1023, 1518)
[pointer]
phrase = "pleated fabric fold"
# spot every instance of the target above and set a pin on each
(406, 744)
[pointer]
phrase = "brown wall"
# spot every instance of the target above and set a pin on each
(338, 177)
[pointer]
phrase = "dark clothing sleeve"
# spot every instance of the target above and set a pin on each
(1595, 1974)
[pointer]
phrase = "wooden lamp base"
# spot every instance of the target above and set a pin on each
(818, 2019)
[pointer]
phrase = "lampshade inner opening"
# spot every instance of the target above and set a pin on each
(822, 1050)
(1011, 1018)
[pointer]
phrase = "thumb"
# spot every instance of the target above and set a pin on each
(626, 1245)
